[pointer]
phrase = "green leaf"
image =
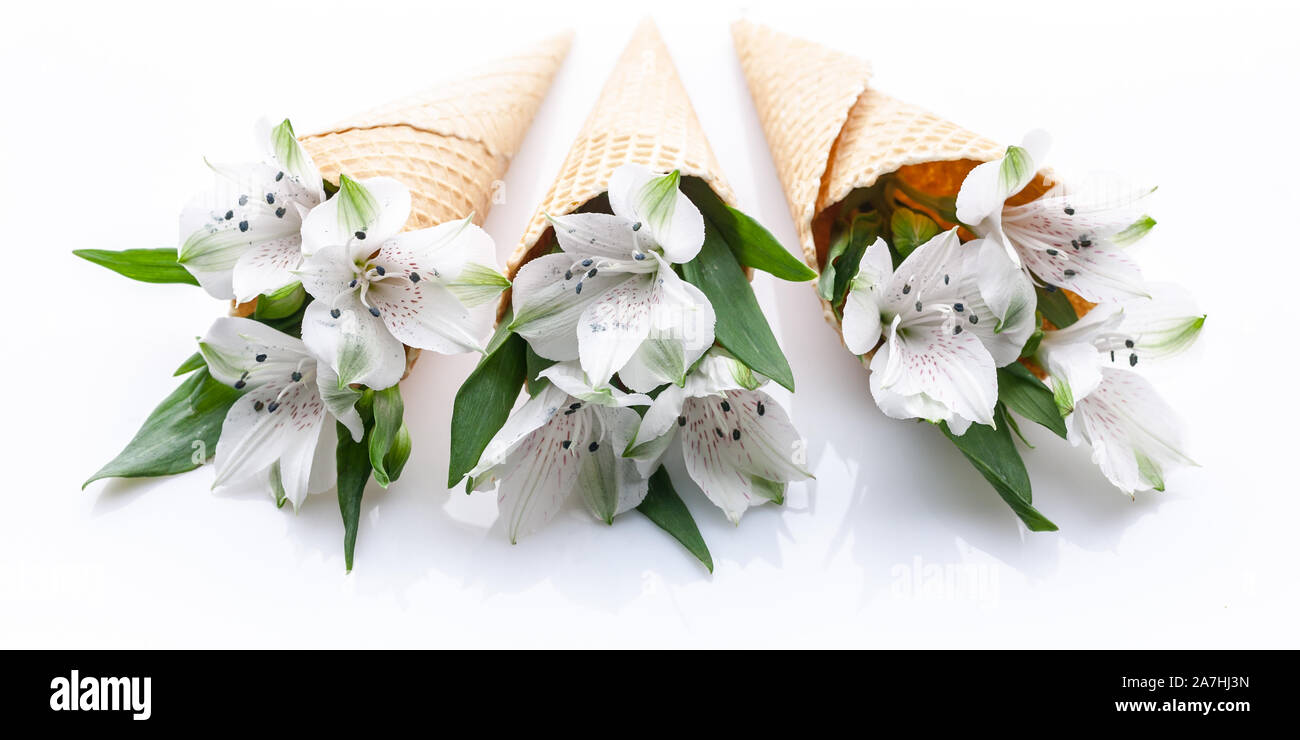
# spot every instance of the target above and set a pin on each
(398, 453)
(484, 402)
(179, 435)
(353, 461)
(145, 265)
(753, 245)
(1055, 307)
(665, 508)
(280, 304)
(863, 233)
(1028, 396)
(741, 326)
(994, 455)
(911, 230)
(388, 411)
(194, 362)
(535, 364)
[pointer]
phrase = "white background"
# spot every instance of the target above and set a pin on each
(108, 109)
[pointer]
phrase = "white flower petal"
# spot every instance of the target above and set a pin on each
(547, 305)
(653, 200)
(267, 267)
(862, 305)
(1136, 437)
(428, 316)
(324, 467)
(327, 273)
(525, 420)
(1002, 285)
(238, 349)
(681, 331)
(355, 343)
(660, 418)
(936, 373)
(613, 326)
(543, 469)
(340, 400)
(288, 153)
(570, 378)
(376, 208)
(297, 460)
(604, 236)
(727, 442)
(262, 425)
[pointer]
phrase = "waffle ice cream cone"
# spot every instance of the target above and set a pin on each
(643, 116)
(830, 133)
(450, 145)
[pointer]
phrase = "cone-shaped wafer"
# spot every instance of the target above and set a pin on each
(642, 116)
(450, 145)
(829, 134)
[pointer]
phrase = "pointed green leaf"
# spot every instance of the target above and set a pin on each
(1055, 307)
(665, 508)
(398, 453)
(358, 208)
(353, 461)
(753, 245)
(1028, 396)
(484, 401)
(280, 304)
(387, 412)
(741, 326)
(994, 455)
(145, 265)
(866, 228)
(179, 435)
(194, 362)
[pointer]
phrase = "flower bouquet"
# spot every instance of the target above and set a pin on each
(343, 254)
(975, 285)
(632, 326)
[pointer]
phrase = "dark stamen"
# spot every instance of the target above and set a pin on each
(270, 198)
(761, 408)
(1128, 343)
(638, 256)
(296, 376)
(334, 313)
(565, 444)
(958, 307)
(279, 176)
(1132, 359)
(907, 289)
(239, 384)
(1070, 273)
(956, 330)
(568, 274)
(918, 305)
(360, 235)
(591, 272)
(575, 406)
(725, 407)
(735, 434)
(1052, 252)
(415, 277)
(974, 319)
(636, 226)
(258, 405)
(279, 212)
(593, 447)
(243, 226)
(353, 284)
(1069, 211)
(260, 358)
(230, 215)
(379, 269)
(578, 288)
(374, 311)
(681, 421)
(720, 432)
(586, 262)
(243, 200)
(274, 405)
(945, 279)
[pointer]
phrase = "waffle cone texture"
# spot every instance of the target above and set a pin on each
(642, 116)
(450, 145)
(829, 133)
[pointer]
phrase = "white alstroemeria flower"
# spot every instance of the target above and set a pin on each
(942, 342)
(569, 436)
(281, 430)
(1136, 437)
(242, 239)
(738, 444)
(611, 299)
(377, 289)
(1072, 236)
